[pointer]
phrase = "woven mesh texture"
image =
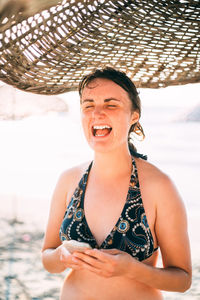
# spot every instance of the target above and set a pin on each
(156, 42)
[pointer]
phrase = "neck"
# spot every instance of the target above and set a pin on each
(112, 164)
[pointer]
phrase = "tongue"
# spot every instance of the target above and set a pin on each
(102, 131)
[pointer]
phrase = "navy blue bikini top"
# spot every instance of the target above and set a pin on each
(131, 232)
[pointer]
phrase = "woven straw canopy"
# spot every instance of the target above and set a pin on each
(47, 46)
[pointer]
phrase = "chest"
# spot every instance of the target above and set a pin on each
(103, 205)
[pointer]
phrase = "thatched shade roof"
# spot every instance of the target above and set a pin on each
(47, 51)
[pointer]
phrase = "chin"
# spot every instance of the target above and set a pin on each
(105, 148)
(100, 147)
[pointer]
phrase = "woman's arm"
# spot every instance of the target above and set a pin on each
(172, 236)
(55, 257)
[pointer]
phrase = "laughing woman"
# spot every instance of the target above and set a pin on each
(120, 204)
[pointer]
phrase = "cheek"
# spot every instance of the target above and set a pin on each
(121, 130)
(124, 123)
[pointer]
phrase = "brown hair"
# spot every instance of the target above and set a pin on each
(124, 82)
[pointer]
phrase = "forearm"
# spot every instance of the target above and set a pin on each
(168, 279)
(52, 262)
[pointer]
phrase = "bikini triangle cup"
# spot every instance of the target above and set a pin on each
(131, 232)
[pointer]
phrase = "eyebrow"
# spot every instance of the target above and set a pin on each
(105, 100)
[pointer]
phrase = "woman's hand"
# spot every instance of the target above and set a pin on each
(67, 259)
(106, 263)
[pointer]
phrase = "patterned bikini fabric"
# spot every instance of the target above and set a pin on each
(131, 232)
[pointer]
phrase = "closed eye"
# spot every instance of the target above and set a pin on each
(87, 107)
(111, 106)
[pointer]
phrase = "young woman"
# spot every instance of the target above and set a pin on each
(120, 204)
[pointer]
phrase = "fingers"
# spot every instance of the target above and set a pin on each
(112, 251)
(102, 254)
(97, 257)
(92, 264)
(64, 253)
(98, 261)
(68, 259)
(102, 262)
(95, 253)
(72, 262)
(92, 260)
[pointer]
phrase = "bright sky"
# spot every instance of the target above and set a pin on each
(182, 95)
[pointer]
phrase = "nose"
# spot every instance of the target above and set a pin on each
(98, 111)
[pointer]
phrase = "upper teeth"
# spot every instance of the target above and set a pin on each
(101, 127)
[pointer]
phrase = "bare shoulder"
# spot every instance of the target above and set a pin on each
(70, 178)
(73, 173)
(159, 185)
(68, 182)
(148, 171)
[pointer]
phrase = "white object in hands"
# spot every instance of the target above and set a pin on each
(74, 245)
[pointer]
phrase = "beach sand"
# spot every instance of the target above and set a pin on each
(22, 275)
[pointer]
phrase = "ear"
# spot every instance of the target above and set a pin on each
(135, 117)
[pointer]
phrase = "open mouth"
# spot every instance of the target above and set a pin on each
(101, 130)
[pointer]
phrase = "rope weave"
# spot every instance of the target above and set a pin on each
(156, 42)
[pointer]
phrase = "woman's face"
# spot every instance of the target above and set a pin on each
(107, 115)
